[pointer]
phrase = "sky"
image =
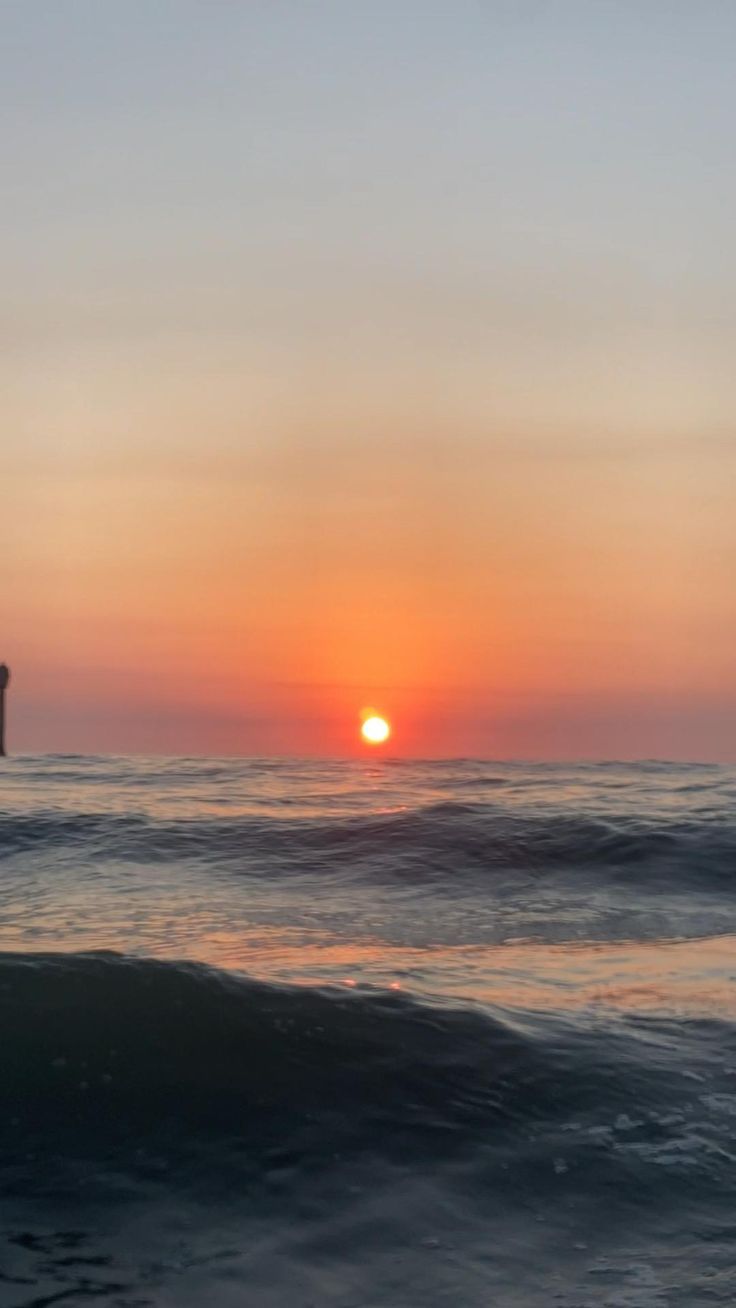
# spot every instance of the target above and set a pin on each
(369, 355)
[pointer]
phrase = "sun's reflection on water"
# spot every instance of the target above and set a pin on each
(671, 977)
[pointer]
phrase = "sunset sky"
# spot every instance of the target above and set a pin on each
(369, 354)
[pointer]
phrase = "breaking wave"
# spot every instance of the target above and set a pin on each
(447, 839)
(102, 1050)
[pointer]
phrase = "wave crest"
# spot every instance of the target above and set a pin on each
(447, 839)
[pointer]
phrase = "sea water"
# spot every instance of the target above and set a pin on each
(366, 1033)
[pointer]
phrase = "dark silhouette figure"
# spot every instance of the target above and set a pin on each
(4, 679)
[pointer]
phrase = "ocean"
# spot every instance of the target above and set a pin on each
(340, 1035)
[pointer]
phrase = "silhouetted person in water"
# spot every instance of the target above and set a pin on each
(4, 679)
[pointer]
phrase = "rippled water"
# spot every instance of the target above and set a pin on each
(282, 1032)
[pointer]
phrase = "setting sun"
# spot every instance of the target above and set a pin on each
(375, 730)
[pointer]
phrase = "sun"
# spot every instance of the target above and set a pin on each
(375, 730)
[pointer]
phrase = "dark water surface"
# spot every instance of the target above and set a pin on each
(397, 1034)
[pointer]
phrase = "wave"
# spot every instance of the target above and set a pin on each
(108, 1045)
(135, 1040)
(446, 840)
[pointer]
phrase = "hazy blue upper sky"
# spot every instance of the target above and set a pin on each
(370, 351)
